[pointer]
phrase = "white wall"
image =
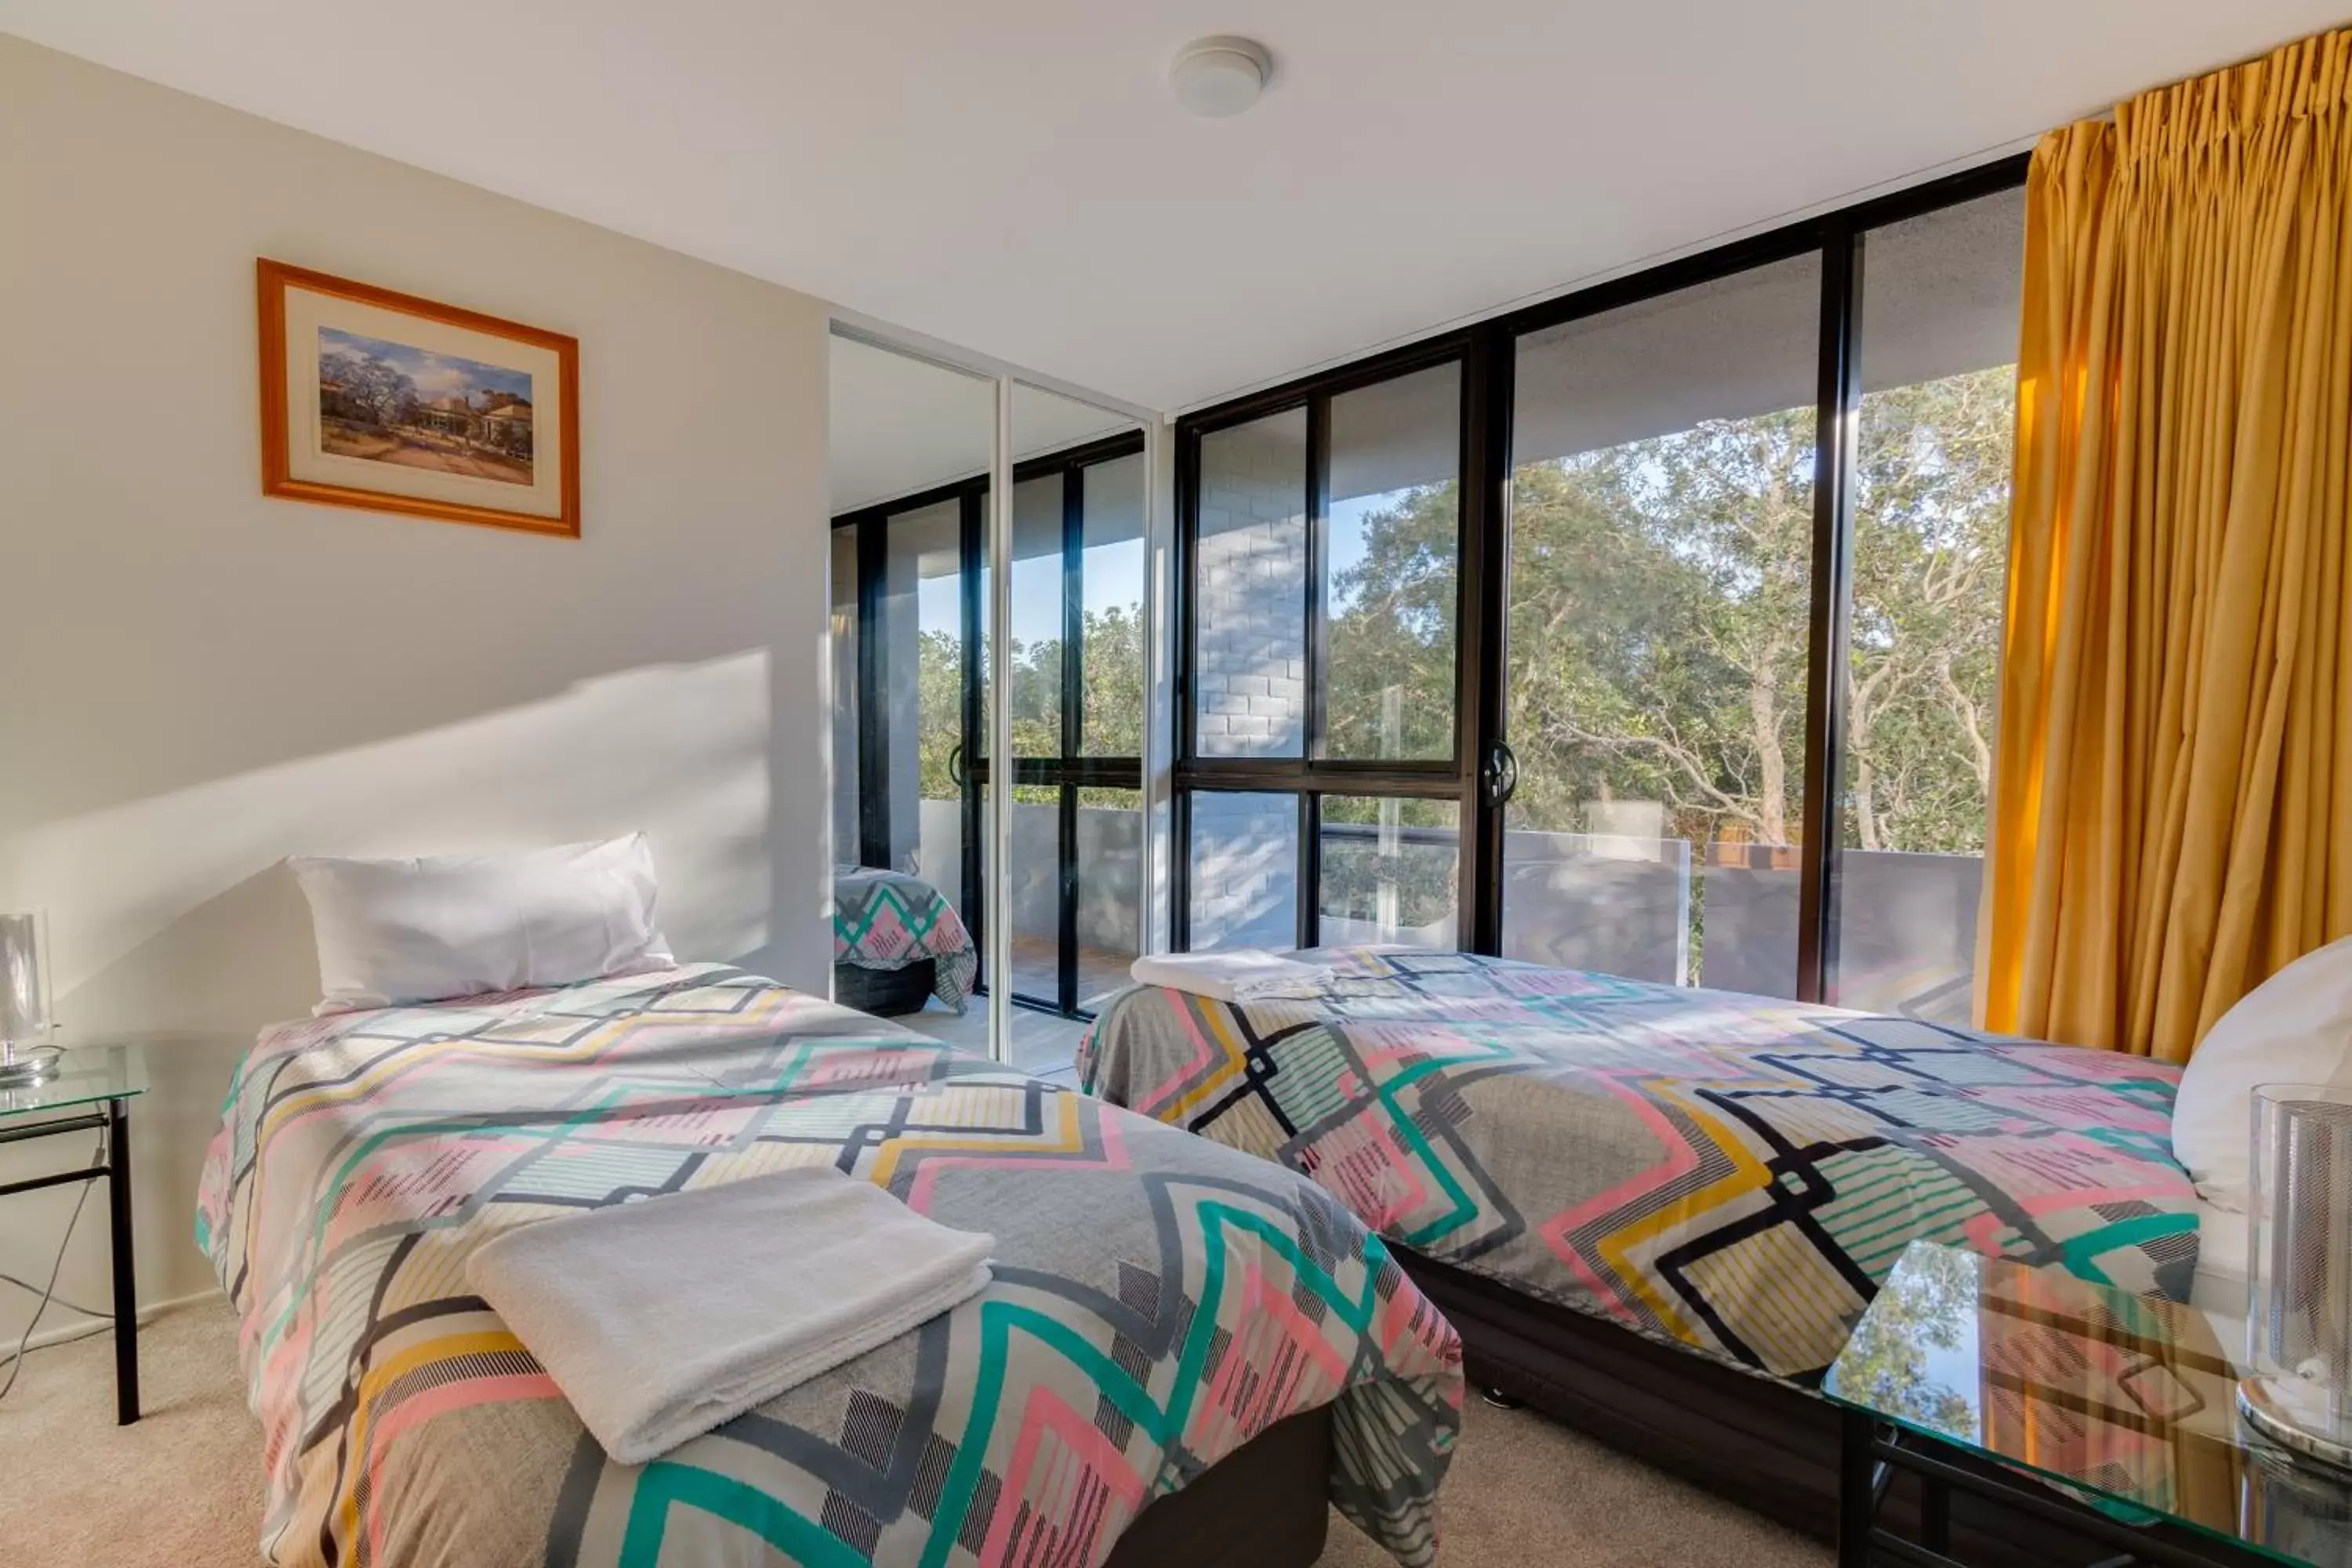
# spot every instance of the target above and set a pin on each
(195, 682)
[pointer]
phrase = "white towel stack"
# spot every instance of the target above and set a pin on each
(659, 1320)
(1236, 974)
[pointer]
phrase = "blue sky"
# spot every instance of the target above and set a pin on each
(436, 375)
(1114, 576)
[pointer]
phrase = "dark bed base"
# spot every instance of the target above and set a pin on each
(884, 993)
(1262, 1506)
(1769, 1446)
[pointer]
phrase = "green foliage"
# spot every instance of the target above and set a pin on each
(1391, 639)
(1374, 845)
(1658, 615)
(1932, 1305)
(1658, 608)
(1110, 684)
(1931, 556)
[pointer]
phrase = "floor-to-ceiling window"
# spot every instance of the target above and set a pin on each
(1661, 586)
(1651, 630)
(1933, 444)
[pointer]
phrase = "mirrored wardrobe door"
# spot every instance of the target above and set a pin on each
(912, 449)
(1075, 671)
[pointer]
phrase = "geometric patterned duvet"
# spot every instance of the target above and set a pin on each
(1732, 1173)
(1155, 1301)
(888, 921)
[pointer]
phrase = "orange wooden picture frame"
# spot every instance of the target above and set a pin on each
(272, 280)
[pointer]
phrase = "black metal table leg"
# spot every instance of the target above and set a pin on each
(1857, 1489)
(126, 1287)
(1934, 1515)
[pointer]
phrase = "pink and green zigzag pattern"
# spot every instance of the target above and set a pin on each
(1158, 1300)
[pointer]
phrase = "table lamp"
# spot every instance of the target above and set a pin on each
(2298, 1391)
(25, 1055)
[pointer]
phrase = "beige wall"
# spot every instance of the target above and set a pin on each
(195, 682)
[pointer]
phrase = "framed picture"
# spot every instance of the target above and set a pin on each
(374, 399)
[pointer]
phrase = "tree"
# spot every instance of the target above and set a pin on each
(1931, 535)
(1931, 1305)
(384, 390)
(1660, 603)
(1658, 620)
(1110, 686)
(1392, 647)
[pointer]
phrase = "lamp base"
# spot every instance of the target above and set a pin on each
(2282, 1409)
(22, 1068)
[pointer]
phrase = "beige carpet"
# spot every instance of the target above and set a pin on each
(182, 1487)
(180, 1490)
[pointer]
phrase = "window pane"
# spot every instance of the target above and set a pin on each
(1389, 572)
(1110, 891)
(1111, 576)
(1037, 617)
(922, 620)
(1390, 871)
(1250, 583)
(845, 694)
(1245, 870)
(1939, 325)
(1036, 892)
(1662, 496)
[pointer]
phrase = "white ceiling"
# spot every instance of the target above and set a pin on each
(1015, 176)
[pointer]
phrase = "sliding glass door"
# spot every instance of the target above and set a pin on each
(1660, 585)
(1931, 491)
(1653, 630)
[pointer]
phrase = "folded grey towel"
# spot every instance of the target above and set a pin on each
(661, 1319)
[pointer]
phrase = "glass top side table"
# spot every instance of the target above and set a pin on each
(91, 1091)
(2129, 1403)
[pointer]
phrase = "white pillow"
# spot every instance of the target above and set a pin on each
(2294, 1028)
(396, 932)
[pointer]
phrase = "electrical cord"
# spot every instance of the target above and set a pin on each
(49, 1293)
(70, 1305)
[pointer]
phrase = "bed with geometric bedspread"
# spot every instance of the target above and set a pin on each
(1728, 1172)
(1157, 1303)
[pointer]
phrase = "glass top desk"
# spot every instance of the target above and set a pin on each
(91, 1091)
(2129, 1403)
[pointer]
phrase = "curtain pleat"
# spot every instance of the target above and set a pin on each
(2172, 799)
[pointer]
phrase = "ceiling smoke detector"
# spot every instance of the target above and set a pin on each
(1217, 77)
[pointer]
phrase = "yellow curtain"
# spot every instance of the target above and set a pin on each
(2172, 799)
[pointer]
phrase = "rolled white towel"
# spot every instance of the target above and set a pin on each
(661, 1319)
(1234, 975)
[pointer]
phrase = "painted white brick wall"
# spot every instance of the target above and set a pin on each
(1245, 870)
(1250, 679)
(1250, 692)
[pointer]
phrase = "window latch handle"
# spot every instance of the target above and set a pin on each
(1499, 773)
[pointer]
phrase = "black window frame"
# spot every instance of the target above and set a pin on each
(1312, 775)
(1478, 777)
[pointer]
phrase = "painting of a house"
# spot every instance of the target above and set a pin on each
(391, 402)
